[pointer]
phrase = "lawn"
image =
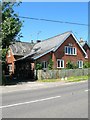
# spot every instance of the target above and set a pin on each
(76, 79)
(68, 79)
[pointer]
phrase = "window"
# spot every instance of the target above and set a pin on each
(80, 64)
(10, 67)
(9, 53)
(60, 63)
(66, 50)
(70, 50)
(74, 51)
(44, 64)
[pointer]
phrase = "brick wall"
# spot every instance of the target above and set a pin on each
(59, 53)
(10, 60)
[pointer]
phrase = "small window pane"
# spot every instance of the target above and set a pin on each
(58, 63)
(61, 63)
(68, 50)
(71, 50)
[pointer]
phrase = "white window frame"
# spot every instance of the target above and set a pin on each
(80, 62)
(44, 62)
(10, 67)
(71, 53)
(60, 63)
(9, 53)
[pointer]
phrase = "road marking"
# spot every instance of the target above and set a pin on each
(86, 90)
(34, 101)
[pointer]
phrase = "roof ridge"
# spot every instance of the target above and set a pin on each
(21, 42)
(59, 35)
(55, 36)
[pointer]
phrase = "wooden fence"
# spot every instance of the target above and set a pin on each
(55, 74)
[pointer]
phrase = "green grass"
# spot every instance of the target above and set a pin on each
(69, 79)
(76, 78)
(49, 80)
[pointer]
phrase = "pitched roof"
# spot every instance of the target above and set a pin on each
(50, 44)
(21, 48)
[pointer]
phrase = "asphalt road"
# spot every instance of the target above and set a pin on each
(69, 101)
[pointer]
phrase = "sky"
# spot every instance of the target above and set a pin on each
(76, 12)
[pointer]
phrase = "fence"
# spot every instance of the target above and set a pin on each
(55, 74)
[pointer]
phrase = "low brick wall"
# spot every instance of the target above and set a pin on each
(55, 74)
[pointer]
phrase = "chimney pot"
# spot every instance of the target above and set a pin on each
(81, 40)
(38, 41)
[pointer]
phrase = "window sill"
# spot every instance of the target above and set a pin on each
(70, 54)
(60, 67)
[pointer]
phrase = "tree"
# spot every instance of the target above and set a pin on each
(10, 28)
(11, 24)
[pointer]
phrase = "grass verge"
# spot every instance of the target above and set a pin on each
(76, 78)
(69, 79)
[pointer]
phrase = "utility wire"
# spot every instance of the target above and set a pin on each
(54, 21)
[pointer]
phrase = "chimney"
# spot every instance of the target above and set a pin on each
(38, 41)
(81, 40)
(31, 41)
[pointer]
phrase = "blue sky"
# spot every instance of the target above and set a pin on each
(61, 11)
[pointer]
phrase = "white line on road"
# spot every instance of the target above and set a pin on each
(34, 101)
(86, 90)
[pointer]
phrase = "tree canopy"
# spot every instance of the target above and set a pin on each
(11, 24)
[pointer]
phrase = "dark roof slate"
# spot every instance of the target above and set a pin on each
(41, 48)
(21, 48)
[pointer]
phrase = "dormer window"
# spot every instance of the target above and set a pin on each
(70, 50)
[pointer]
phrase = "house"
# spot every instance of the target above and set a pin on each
(16, 51)
(61, 49)
(86, 47)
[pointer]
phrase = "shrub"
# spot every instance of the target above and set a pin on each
(50, 65)
(69, 65)
(86, 65)
(38, 66)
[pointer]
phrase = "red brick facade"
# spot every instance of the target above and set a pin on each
(10, 61)
(60, 53)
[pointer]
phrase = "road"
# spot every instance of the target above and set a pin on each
(67, 101)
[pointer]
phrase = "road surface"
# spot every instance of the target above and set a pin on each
(67, 101)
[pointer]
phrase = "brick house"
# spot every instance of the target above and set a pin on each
(16, 51)
(61, 49)
(86, 48)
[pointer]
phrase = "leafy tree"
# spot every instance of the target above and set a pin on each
(11, 24)
(10, 28)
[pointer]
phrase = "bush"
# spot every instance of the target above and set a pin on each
(71, 65)
(86, 65)
(50, 65)
(38, 66)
